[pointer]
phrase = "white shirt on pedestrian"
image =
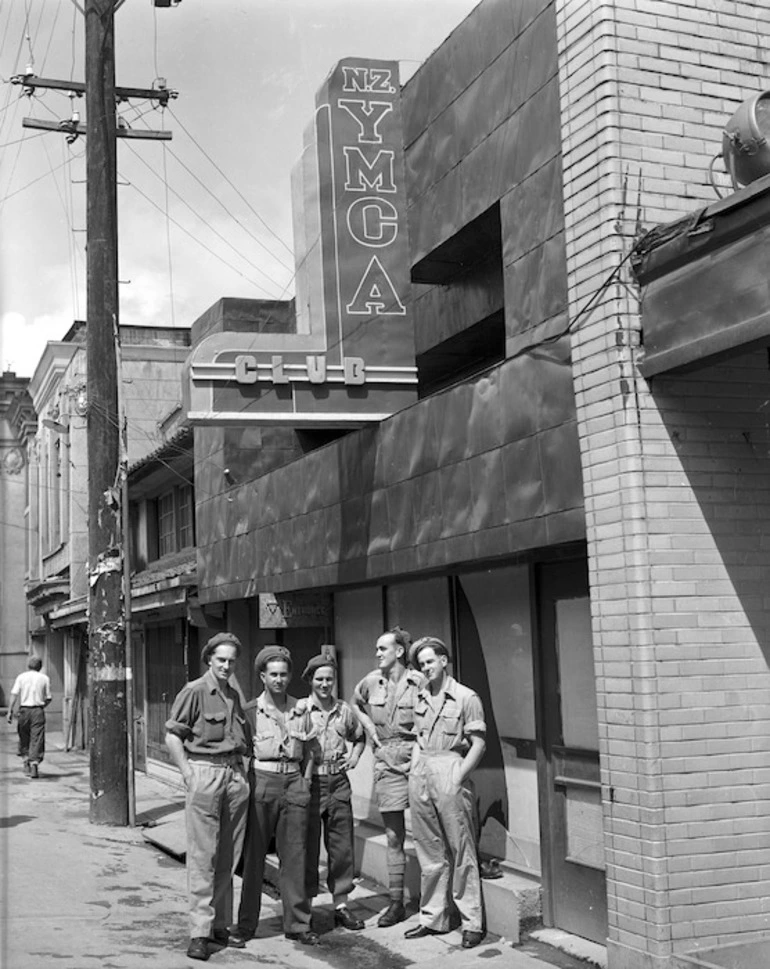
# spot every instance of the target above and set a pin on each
(33, 689)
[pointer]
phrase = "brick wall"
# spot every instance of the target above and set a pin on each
(675, 529)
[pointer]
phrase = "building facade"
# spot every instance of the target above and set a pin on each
(587, 537)
(56, 507)
(17, 426)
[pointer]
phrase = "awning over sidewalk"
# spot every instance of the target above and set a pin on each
(706, 283)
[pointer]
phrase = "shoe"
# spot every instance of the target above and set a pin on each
(232, 939)
(471, 939)
(237, 938)
(490, 869)
(198, 949)
(33, 769)
(393, 914)
(26, 767)
(345, 918)
(419, 932)
(305, 938)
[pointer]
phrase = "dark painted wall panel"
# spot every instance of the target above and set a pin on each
(474, 472)
(441, 312)
(536, 286)
(479, 117)
(487, 31)
(533, 211)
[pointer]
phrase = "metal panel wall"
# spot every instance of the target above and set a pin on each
(488, 468)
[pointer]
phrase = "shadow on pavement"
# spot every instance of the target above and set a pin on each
(15, 819)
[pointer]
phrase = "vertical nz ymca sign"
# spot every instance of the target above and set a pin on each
(351, 360)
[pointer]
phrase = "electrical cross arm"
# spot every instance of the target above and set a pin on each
(71, 128)
(30, 82)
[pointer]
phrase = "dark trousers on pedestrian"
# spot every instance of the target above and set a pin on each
(31, 727)
(279, 808)
(332, 814)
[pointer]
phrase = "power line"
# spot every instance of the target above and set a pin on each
(233, 217)
(234, 187)
(168, 243)
(50, 39)
(203, 245)
(40, 177)
(208, 225)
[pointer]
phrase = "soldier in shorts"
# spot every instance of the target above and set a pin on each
(384, 701)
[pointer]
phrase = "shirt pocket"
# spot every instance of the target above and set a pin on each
(214, 725)
(452, 731)
(405, 715)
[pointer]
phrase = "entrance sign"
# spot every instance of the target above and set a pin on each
(286, 610)
(352, 359)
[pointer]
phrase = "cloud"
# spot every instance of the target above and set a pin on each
(22, 341)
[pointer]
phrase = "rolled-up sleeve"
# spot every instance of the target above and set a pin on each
(353, 729)
(361, 692)
(184, 713)
(474, 716)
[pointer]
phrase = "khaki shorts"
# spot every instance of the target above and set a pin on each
(391, 776)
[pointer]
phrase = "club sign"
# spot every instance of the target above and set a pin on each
(351, 360)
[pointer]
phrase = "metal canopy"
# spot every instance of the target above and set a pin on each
(705, 283)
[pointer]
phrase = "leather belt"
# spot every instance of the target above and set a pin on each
(322, 769)
(228, 758)
(277, 766)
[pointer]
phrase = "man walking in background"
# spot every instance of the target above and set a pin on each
(30, 695)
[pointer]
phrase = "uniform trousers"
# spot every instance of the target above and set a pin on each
(31, 729)
(279, 807)
(215, 812)
(445, 842)
(330, 810)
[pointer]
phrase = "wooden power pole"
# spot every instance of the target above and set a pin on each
(109, 673)
(108, 714)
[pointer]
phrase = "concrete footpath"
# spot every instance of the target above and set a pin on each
(76, 895)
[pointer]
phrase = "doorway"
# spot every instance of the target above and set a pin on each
(575, 895)
(166, 675)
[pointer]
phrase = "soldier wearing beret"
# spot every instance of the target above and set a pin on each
(449, 720)
(279, 800)
(208, 736)
(335, 749)
(384, 702)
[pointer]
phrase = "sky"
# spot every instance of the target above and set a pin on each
(207, 214)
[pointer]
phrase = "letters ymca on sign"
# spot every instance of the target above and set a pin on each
(351, 360)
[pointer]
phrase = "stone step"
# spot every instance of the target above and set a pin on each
(508, 901)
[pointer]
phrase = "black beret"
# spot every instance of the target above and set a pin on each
(221, 639)
(316, 663)
(433, 642)
(274, 651)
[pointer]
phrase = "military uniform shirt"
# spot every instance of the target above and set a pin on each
(209, 718)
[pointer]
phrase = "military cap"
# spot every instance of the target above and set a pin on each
(220, 639)
(436, 644)
(274, 651)
(324, 659)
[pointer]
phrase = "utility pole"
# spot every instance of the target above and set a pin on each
(108, 714)
(110, 679)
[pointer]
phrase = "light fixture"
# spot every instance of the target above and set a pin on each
(745, 148)
(56, 426)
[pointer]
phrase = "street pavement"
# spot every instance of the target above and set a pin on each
(75, 895)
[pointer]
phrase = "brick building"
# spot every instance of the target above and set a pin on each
(588, 536)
